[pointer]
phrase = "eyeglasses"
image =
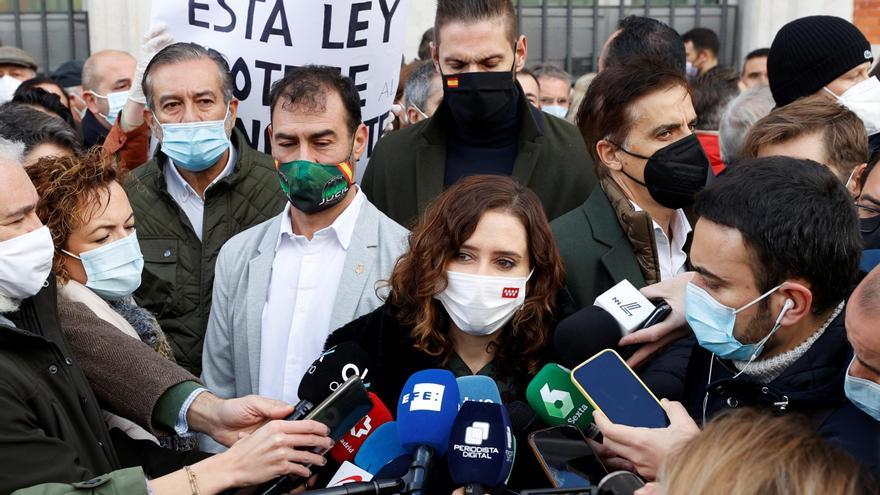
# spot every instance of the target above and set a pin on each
(869, 217)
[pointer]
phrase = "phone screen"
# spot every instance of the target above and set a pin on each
(344, 408)
(613, 388)
(566, 457)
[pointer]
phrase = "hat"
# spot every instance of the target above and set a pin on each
(10, 55)
(810, 52)
(69, 73)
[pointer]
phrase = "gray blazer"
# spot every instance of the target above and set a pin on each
(231, 357)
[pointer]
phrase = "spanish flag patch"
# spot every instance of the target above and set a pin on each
(345, 168)
(452, 83)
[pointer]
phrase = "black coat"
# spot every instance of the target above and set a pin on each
(812, 386)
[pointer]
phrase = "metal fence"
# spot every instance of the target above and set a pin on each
(53, 31)
(570, 33)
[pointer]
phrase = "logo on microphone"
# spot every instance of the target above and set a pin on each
(627, 308)
(557, 402)
(364, 430)
(425, 397)
(476, 433)
(510, 293)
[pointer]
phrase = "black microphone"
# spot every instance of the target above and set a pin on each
(522, 417)
(375, 487)
(584, 334)
(327, 373)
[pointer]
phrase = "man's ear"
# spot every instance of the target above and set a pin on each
(150, 120)
(522, 52)
(435, 57)
(858, 181)
(413, 116)
(91, 102)
(607, 152)
(361, 138)
(801, 298)
(271, 136)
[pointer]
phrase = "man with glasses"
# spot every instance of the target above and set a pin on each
(868, 204)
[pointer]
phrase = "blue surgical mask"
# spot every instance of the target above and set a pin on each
(113, 271)
(865, 394)
(713, 322)
(195, 146)
(116, 101)
(556, 111)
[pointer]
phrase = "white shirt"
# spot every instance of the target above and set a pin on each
(299, 304)
(187, 198)
(670, 253)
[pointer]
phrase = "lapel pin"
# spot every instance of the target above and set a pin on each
(359, 269)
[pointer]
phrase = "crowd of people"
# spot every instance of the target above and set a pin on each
(165, 288)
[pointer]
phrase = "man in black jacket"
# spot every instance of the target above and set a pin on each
(775, 252)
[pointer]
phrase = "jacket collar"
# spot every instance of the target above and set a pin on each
(431, 149)
(638, 228)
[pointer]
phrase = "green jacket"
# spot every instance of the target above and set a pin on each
(51, 426)
(406, 170)
(596, 250)
(178, 274)
(130, 481)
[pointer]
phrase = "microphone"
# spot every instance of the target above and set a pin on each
(626, 305)
(480, 451)
(425, 413)
(327, 373)
(348, 473)
(584, 334)
(477, 388)
(522, 417)
(620, 483)
(380, 448)
(347, 446)
(556, 400)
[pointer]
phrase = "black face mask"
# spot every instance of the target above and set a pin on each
(870, 232)
(675, 173)
(481, 101)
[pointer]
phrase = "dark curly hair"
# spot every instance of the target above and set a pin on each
(444, 227)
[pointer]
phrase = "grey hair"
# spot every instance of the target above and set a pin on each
(741, 114)
(11, 151)
(418, 87)
(183, 52)
(552, 71)
(30, 127)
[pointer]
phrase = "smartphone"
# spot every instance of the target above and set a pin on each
(615, 390)
(566, 457)
(661, 311)
(343, 409)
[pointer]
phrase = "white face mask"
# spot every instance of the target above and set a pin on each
(864, 100)
(8, 85)
(25, 263)
(479, 304)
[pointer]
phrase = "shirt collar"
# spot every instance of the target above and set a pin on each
(681, 227)
(181, 185)
(342, 227)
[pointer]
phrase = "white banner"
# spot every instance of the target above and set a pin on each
(263, 38)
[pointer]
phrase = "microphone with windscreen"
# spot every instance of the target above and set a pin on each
(347, 446)
(333, 368)
(620, 483)
(477, 388)
(425, 413)
(522, 417)
(381, 448)
(480, 451)
(556, 400)
(584, 334)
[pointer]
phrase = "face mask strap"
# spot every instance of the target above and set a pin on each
(760, 345)
(70, 254)
(756, 301)
(830, 92)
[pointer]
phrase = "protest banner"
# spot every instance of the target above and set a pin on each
(262, 39)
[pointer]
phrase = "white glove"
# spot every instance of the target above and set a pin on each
(156, 38)
(396, 112)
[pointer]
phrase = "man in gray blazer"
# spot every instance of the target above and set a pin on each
(283, 286)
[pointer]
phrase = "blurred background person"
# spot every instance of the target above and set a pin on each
(47, 85)
(754, 71)
(555, 86)
(42, 133)
(701, 47)
(16, 66)
(712, 93)
(425, 45)
(106, 82)
(69, 76)
(45, 101)
(747, 452)
(529, 84)
(422, 94)
(741, 114)
(577, 95)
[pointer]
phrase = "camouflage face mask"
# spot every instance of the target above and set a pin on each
(312, 187)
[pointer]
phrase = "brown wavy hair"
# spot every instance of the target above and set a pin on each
(447, 223)
(70, 189)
